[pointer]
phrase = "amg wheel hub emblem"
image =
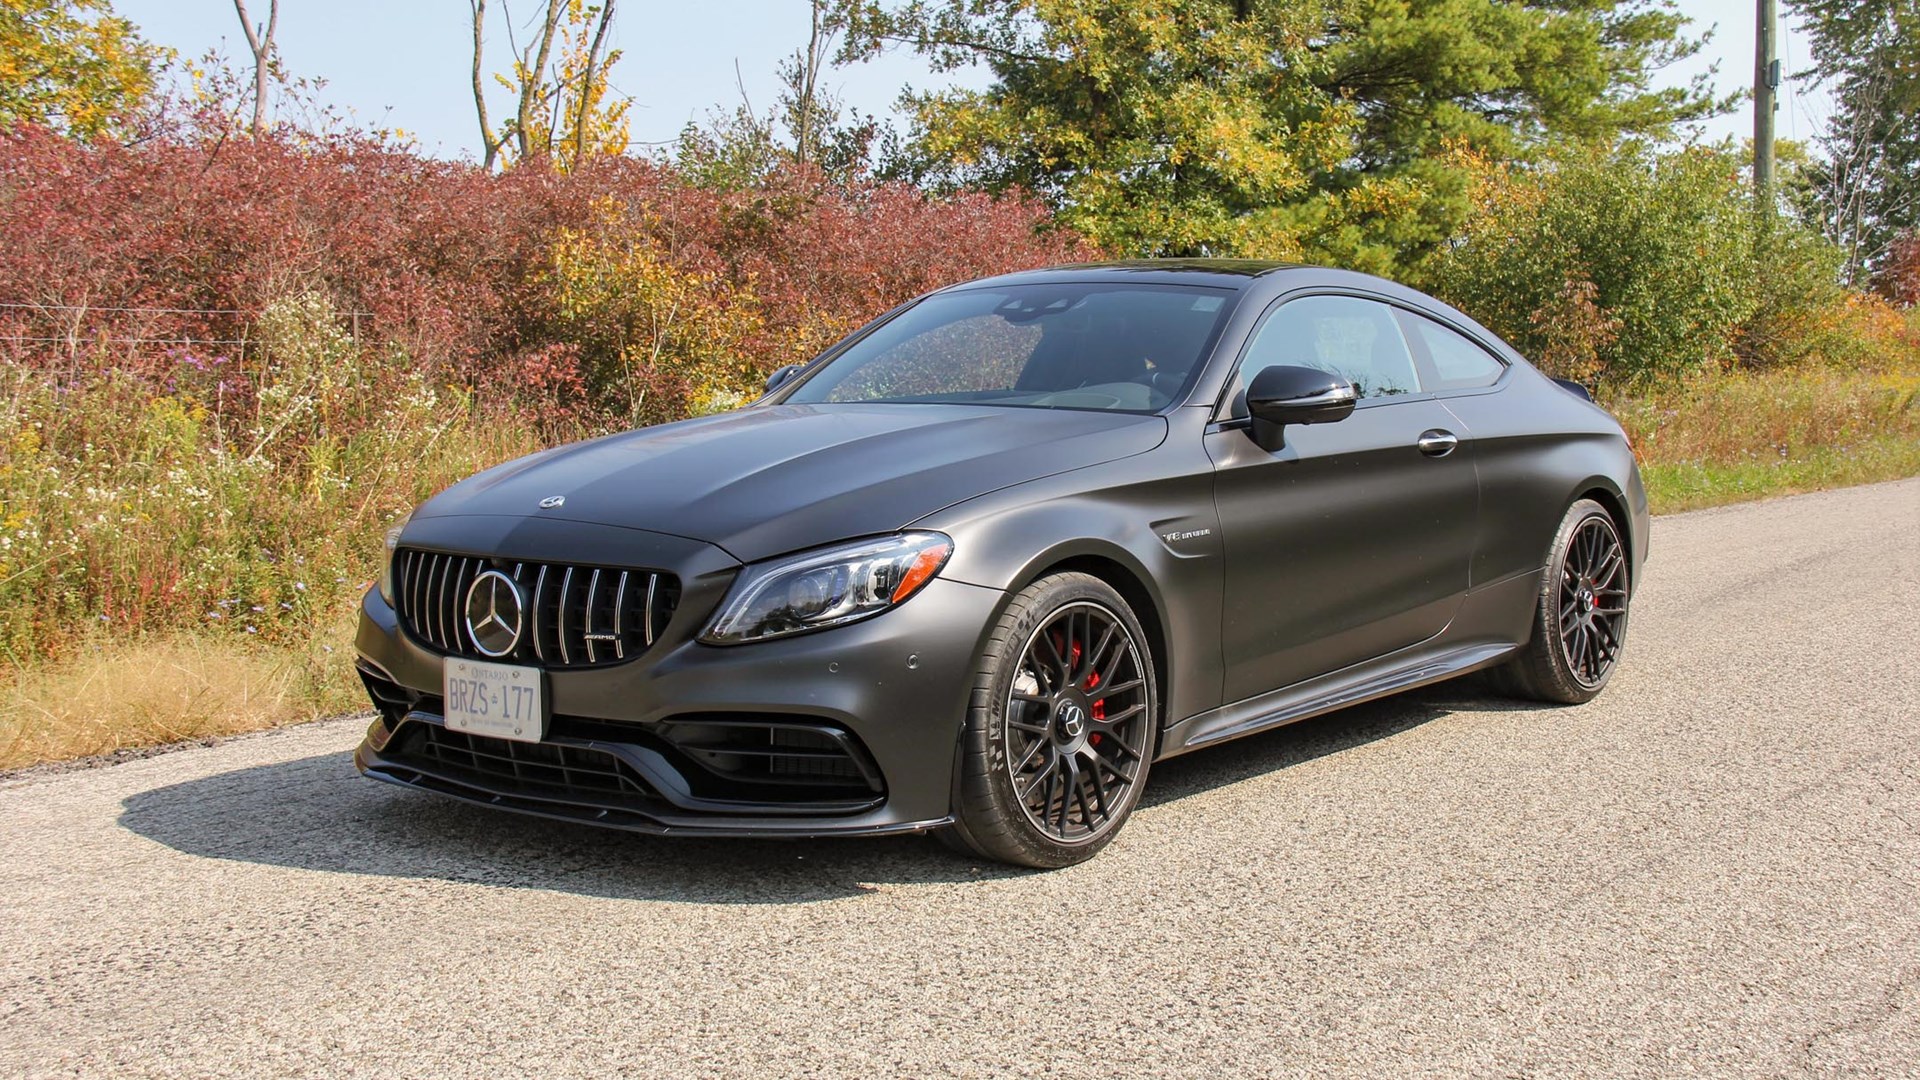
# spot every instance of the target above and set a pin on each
(1073, 720)
(494, 613)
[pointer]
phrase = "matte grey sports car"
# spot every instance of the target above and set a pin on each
(981, 564)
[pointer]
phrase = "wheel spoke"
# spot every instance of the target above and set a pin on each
(1108, 764)
(1039, 777)
(1038, 747)
(1080, 796)
(1097, 656)
(1099, 789)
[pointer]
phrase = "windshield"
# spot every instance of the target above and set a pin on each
(1131, 348)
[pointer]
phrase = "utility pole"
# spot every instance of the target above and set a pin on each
(1766, 83)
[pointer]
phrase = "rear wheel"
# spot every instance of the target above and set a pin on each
(1580, 614)
(1060, 727)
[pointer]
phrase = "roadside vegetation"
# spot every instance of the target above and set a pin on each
(235, 348)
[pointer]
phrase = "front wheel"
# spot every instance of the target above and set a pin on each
(1060, 728)
(1580, 614)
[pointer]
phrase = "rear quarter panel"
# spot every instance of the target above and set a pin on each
(1537, 448)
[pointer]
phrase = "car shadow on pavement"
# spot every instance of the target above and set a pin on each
(316, 814)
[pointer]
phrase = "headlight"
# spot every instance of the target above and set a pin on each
(386, 564)
(830, 587)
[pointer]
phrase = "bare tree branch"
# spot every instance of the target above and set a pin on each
(534, 70)
(586, 83)
(260, 42)
(489, 140)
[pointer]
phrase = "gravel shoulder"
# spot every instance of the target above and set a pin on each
(1714, 868)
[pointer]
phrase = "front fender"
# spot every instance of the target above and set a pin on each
(1146, 523)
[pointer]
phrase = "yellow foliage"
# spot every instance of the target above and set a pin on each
(76, 74)
(672, 337)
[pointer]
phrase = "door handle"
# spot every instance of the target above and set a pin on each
(1437, 443)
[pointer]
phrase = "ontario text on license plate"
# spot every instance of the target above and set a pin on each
(502, 700)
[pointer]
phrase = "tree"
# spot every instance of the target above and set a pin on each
(74, 66)
(745, 148)
(1280, 128)
(562, 110)
(1867, 192)
(1620, 266)
(260, 43)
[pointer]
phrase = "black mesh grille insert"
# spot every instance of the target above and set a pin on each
(571, 616)
(566, 772)
(774, 757)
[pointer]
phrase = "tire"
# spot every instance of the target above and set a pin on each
(1060, 727)
(1580, 613)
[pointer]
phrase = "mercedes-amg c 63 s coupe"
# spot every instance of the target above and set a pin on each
(978, 566)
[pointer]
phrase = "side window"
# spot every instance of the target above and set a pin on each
(1458, 363)
(1355, 338)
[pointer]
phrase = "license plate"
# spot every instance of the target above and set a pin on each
(501, 700)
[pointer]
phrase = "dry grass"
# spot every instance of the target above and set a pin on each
(1737, 437)
(112, 696)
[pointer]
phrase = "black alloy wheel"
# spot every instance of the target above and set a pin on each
(1059, 738)
(1074, 717)
(1593, 601)
(1580, 618)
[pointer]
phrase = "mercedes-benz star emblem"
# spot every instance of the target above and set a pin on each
(1072, 720)
(553, 501)
(493, 613)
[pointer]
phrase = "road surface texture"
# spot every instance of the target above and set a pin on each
(1714, 869)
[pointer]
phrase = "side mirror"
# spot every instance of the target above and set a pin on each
(1282, 395)
(780, 376)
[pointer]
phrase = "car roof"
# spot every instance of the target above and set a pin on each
(1218, 273)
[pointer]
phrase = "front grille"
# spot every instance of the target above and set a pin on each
(574, 616)
(536, 769)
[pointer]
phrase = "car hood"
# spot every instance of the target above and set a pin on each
(769, 480)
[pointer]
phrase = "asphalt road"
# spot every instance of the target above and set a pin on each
(1714, 869)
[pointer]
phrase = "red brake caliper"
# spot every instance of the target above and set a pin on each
(1099, 708)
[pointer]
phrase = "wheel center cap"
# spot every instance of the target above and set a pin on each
(1070, 720)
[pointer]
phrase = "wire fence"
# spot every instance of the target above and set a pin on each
(80, 326)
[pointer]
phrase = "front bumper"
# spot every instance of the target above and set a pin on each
(883, 699)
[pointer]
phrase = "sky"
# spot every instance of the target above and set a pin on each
(406, 64)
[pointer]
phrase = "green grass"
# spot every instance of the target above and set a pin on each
(1692, 485)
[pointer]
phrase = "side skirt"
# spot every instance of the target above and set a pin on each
(1416, 666)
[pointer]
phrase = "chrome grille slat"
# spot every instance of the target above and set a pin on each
(444, 600)
(575, 615)
(619, 617)
(539, 607)
(593, 597)
(566, 601)
(423, 570)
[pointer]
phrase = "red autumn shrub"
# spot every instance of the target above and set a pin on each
(448, 264)
(1900, 278)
